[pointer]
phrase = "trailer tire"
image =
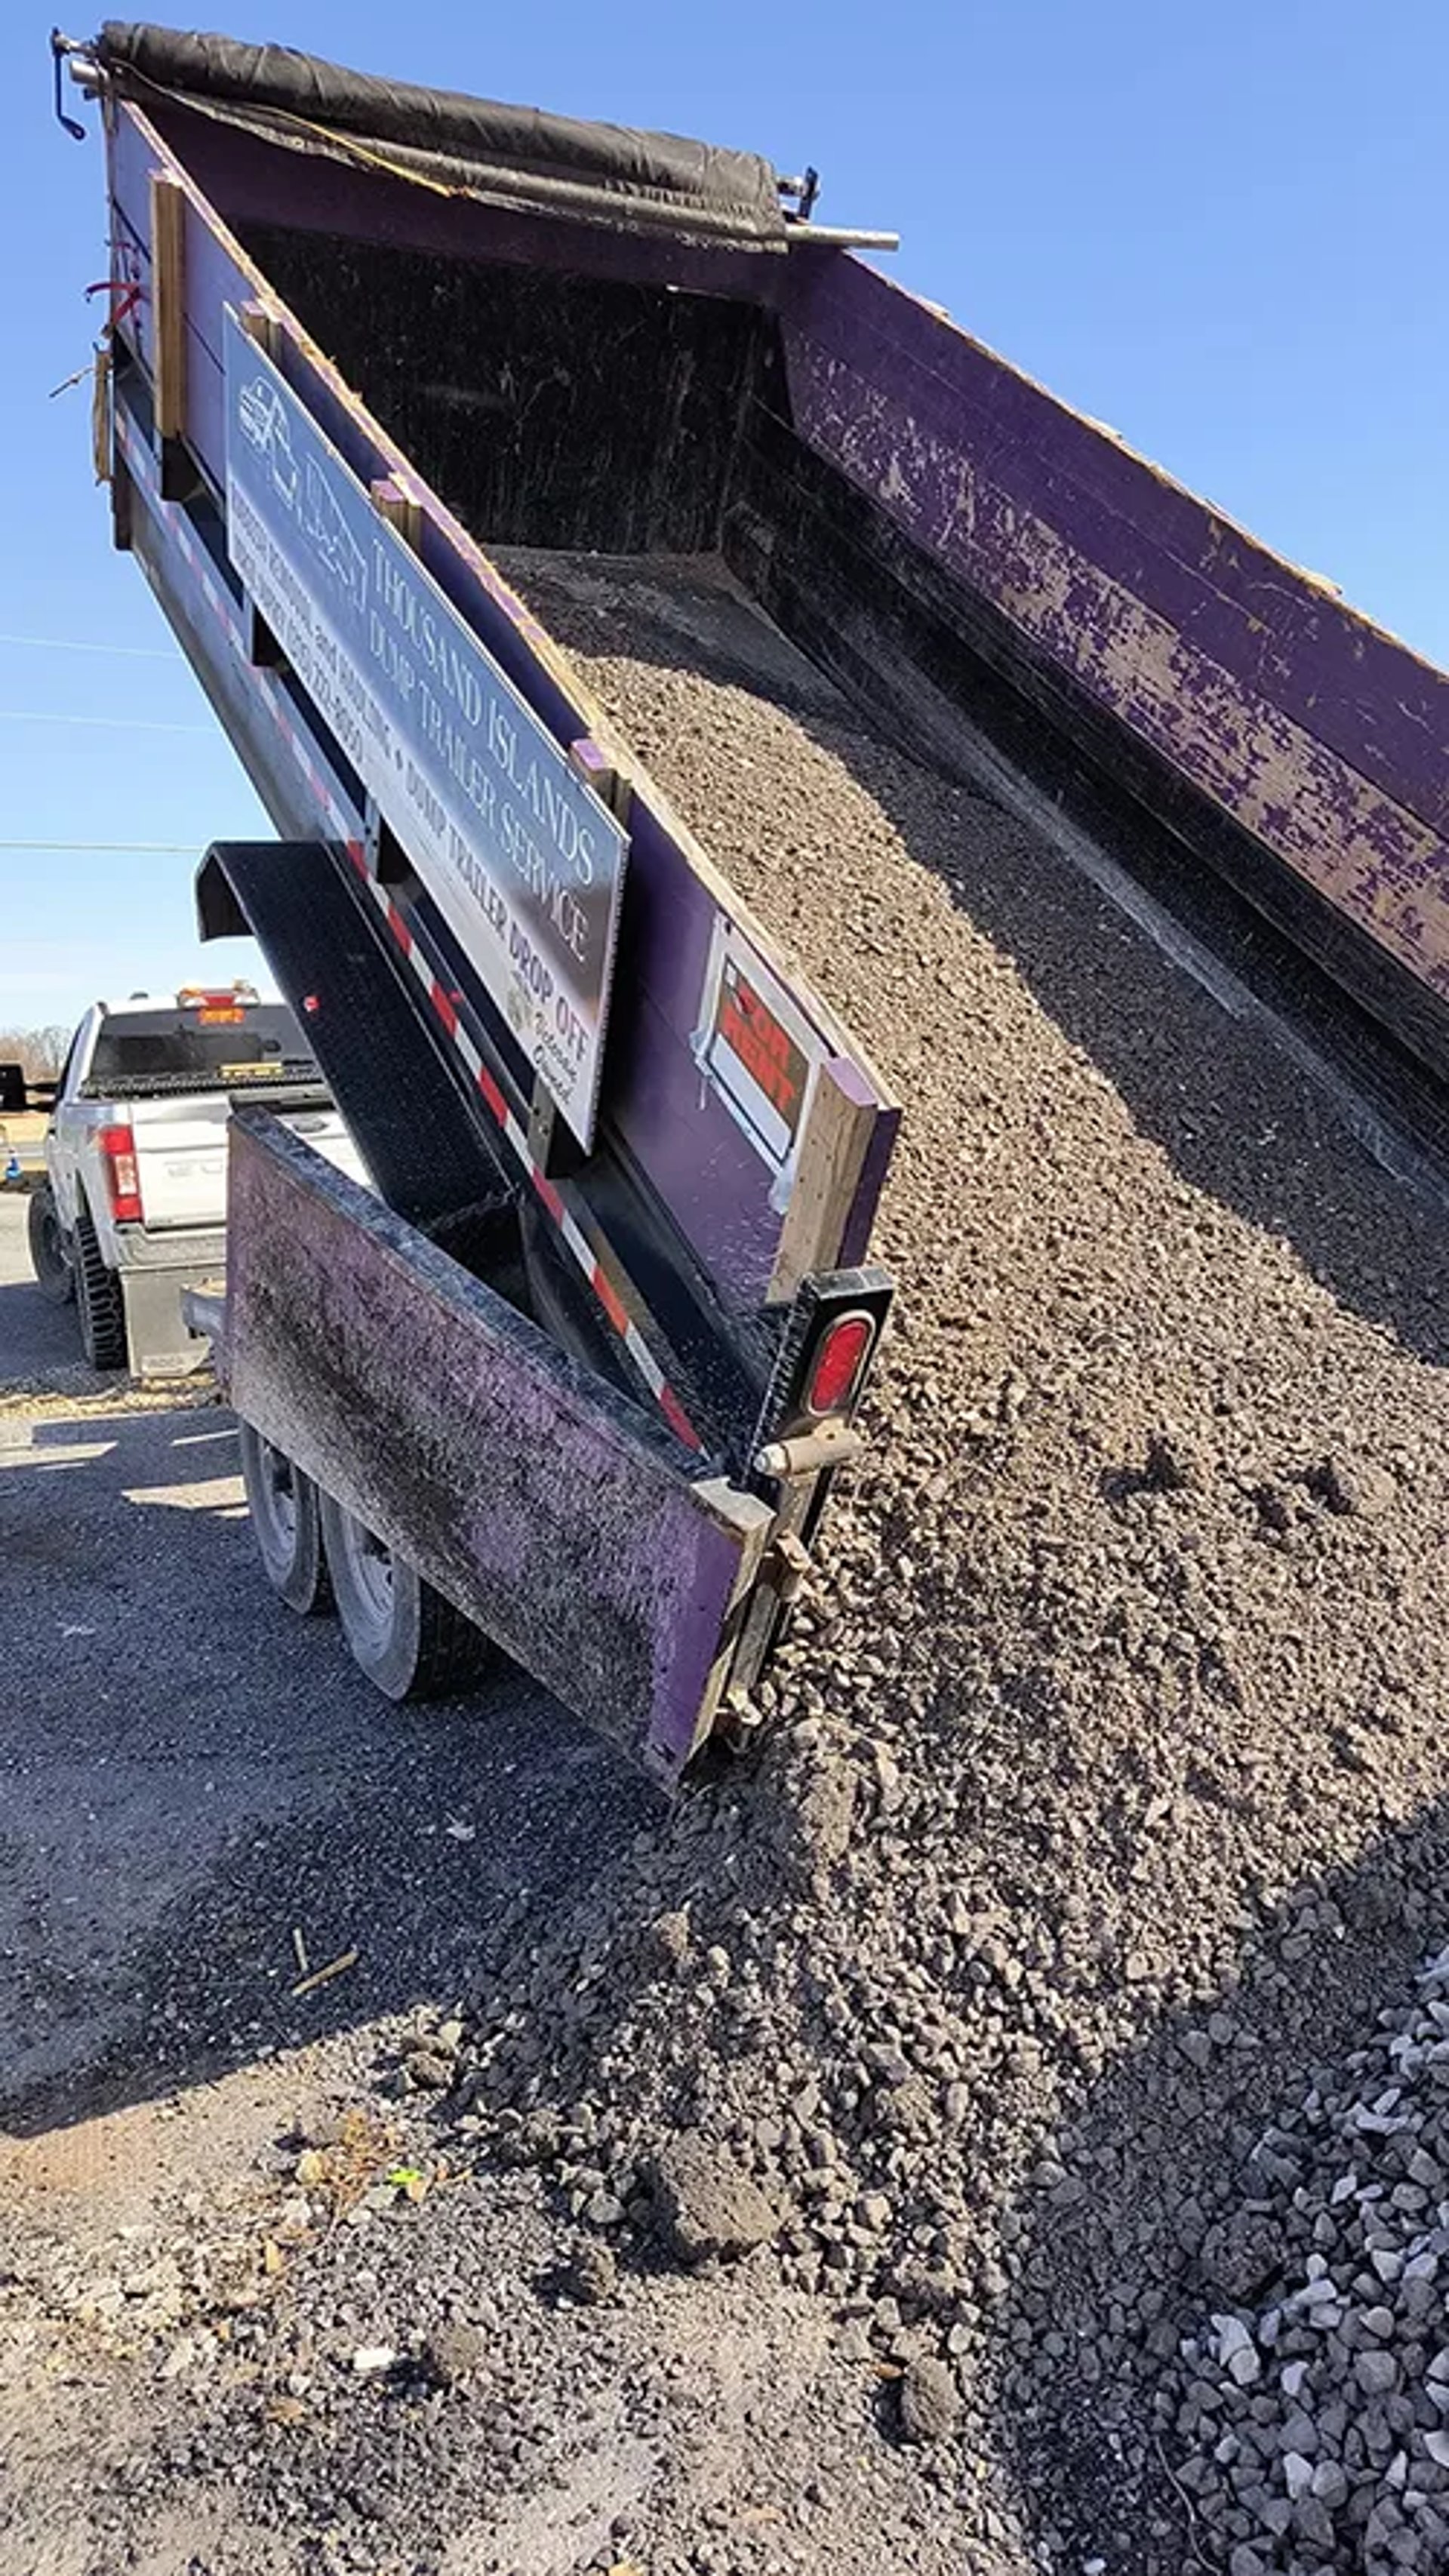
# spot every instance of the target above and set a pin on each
(286, 1524)
(98, 1296)
(50, 1252)
(410, 1642)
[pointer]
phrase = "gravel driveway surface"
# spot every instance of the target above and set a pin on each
(995, 2130)
(201, 2257)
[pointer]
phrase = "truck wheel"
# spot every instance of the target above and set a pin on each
(49, 1249)
(98, 1294)
(409, 1641)
(286, 1523)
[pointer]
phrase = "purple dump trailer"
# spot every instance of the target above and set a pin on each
(577, 1374)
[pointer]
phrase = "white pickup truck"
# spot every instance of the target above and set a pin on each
(133, 1208)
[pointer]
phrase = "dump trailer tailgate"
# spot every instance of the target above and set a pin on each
(548, 1507)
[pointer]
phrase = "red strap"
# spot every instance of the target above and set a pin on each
(126, 290)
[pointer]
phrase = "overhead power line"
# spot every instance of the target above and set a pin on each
(73, 644)
(176, 849)
(112, 724)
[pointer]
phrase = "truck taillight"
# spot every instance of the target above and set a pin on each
(839, 1364)
(118, 1153)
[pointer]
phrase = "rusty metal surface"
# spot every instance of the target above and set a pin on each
(543, 1503)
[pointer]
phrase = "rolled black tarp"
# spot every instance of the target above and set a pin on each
(517, 156)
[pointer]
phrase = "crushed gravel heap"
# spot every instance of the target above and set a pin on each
(1097, 1805)
(1315, 2413)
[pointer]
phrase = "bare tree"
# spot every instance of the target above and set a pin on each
(51, 1043)
(40, 1053)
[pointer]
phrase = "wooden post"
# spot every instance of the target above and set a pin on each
(168, 304)
(261, 324)
(101, 431)
(610, 785)
(830, 1157)
(400, 511)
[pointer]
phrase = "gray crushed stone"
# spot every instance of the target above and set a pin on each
(1310, 2414)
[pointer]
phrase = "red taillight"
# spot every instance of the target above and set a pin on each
(839, 1364)
(118, 1153)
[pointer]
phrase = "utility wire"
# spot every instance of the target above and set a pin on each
(72, 644)
(112, 724)
(171, 848)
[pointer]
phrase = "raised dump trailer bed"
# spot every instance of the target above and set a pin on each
(576, 1375)
(589, 1362)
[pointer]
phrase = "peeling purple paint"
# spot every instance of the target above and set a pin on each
(1363, 693)
(1322, 736)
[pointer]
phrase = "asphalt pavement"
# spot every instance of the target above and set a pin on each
(36, 1339)
(189, 1773)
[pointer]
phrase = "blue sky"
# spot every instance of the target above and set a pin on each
(1217, 227)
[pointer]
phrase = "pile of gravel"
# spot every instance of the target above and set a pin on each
(1097, 1798)
(876, 2137)
(1314, 2416)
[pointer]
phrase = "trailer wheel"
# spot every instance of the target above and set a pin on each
(408, 1640)
(50, 1256)
(98, 1295)
(286, 1523)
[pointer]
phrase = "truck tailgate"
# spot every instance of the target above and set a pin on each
(180, 1148)
(181, 1156)
(560, 1515)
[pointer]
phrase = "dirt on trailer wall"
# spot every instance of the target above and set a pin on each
(1110, 1756)
(537, 405)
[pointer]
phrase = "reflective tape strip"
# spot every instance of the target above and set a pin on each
(644, 1360)
(547, 1193)
(580, 1246)
(613, 1306)
(677, 1419)
(494, 1097)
